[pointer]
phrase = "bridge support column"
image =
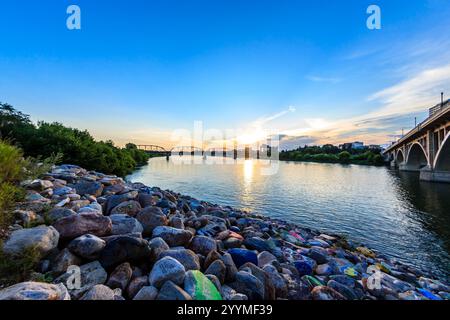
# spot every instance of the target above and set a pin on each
(427, 174)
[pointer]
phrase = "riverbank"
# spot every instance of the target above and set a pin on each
(132, 241)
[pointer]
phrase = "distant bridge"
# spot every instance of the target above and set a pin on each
(247, 153)
(426, 148)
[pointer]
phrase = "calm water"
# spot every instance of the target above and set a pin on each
(388, 211)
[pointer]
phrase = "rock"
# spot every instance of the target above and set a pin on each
(264, 258)
(114, 200)
(203, 245)
(27, 217)
(91, 274)
(258, 244)
(123, 224)
(130, 208)
(231, 267)
(40, 185)
(239, 297)
(326, 293)
(324, 270)
(63, 260)
(146, 200)
(200, 287)
(187, 258)
(99, 292)
(173, 237)
(58, 213)
(135, 285)
(146, 293)
(232, 242)
(150, 218)
(125, 249)
(249, 285)
(345, 280)
(83, 223)
(88, 187)
(280, 285)
(319, 255)
(242, 256)
(170, 291)
(218, 269)
(120, 277)
(157, 245)
(303, 267)
(167, 269)
(177, 223)
(215, 281)
(87, 246)
(78, 204)
(42, 238)
(35, 291)
(261, 275)
(210, 258)
(343, 290)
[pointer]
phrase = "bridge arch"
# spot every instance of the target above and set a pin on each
(417, 157)
(442, 161)
(399, 157)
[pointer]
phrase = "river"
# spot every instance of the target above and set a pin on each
(391, 212)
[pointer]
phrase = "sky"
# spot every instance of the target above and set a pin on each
(308, 71)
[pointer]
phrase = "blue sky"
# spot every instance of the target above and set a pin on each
(310, 70)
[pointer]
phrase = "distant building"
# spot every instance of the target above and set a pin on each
(375, 147)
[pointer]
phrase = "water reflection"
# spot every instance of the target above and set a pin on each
(389, 211)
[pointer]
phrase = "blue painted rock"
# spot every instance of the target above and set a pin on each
(303, 267)
(242, 256)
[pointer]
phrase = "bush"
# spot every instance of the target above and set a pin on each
(15, 269)
(344, 157)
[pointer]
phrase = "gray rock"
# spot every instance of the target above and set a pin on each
(35, 291)
(157, 245)
(125, 249)
(167, 269)
(264, 258)
(115, 200)
(42, 238)
(187, 258)
(342, 289)
(123, 224)
(58, 213)
(215, 281)
(218, 269)
(280, 285)
(203, 245)
(173, 237)
(91, 274)
(63, 260)
(87, 246)
(120, 277)
(89, 187)
(130, 208)
(231, 267)
(150, 218)
(249, 285)
(99, 292)
(170, 291)
(146, 293)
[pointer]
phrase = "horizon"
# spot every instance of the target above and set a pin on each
(137, 73)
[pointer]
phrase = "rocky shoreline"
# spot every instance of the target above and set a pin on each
(101, 238)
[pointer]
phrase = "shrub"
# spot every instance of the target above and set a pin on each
(18, 268)
(344, 157)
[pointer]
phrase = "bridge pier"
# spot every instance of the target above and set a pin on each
(427, 174)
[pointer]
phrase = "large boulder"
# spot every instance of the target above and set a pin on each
(90, 275)
(35, 291)
(115, 200)
(89, 188)
(242, 256)
(123, 224)
(167, 269)
(187, 258)
(42, 238)
(203, 245)
(170, 291)
(199, 287)
(249, 285)
(146, 293)
(83, 223)
(158, 245)
(173, 237)
(64, 260)
(59, 213)
(87, 246)
(125, 249)
(218, 269)
(130, 208)
(150, 218)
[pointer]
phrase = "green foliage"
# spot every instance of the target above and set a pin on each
(18, 268)
(332, 154)
(67, 144)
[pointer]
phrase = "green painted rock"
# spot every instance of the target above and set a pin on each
(199, 287)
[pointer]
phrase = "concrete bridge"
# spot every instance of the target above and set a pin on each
(426, 148)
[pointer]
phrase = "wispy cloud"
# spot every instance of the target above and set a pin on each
(324, 79)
